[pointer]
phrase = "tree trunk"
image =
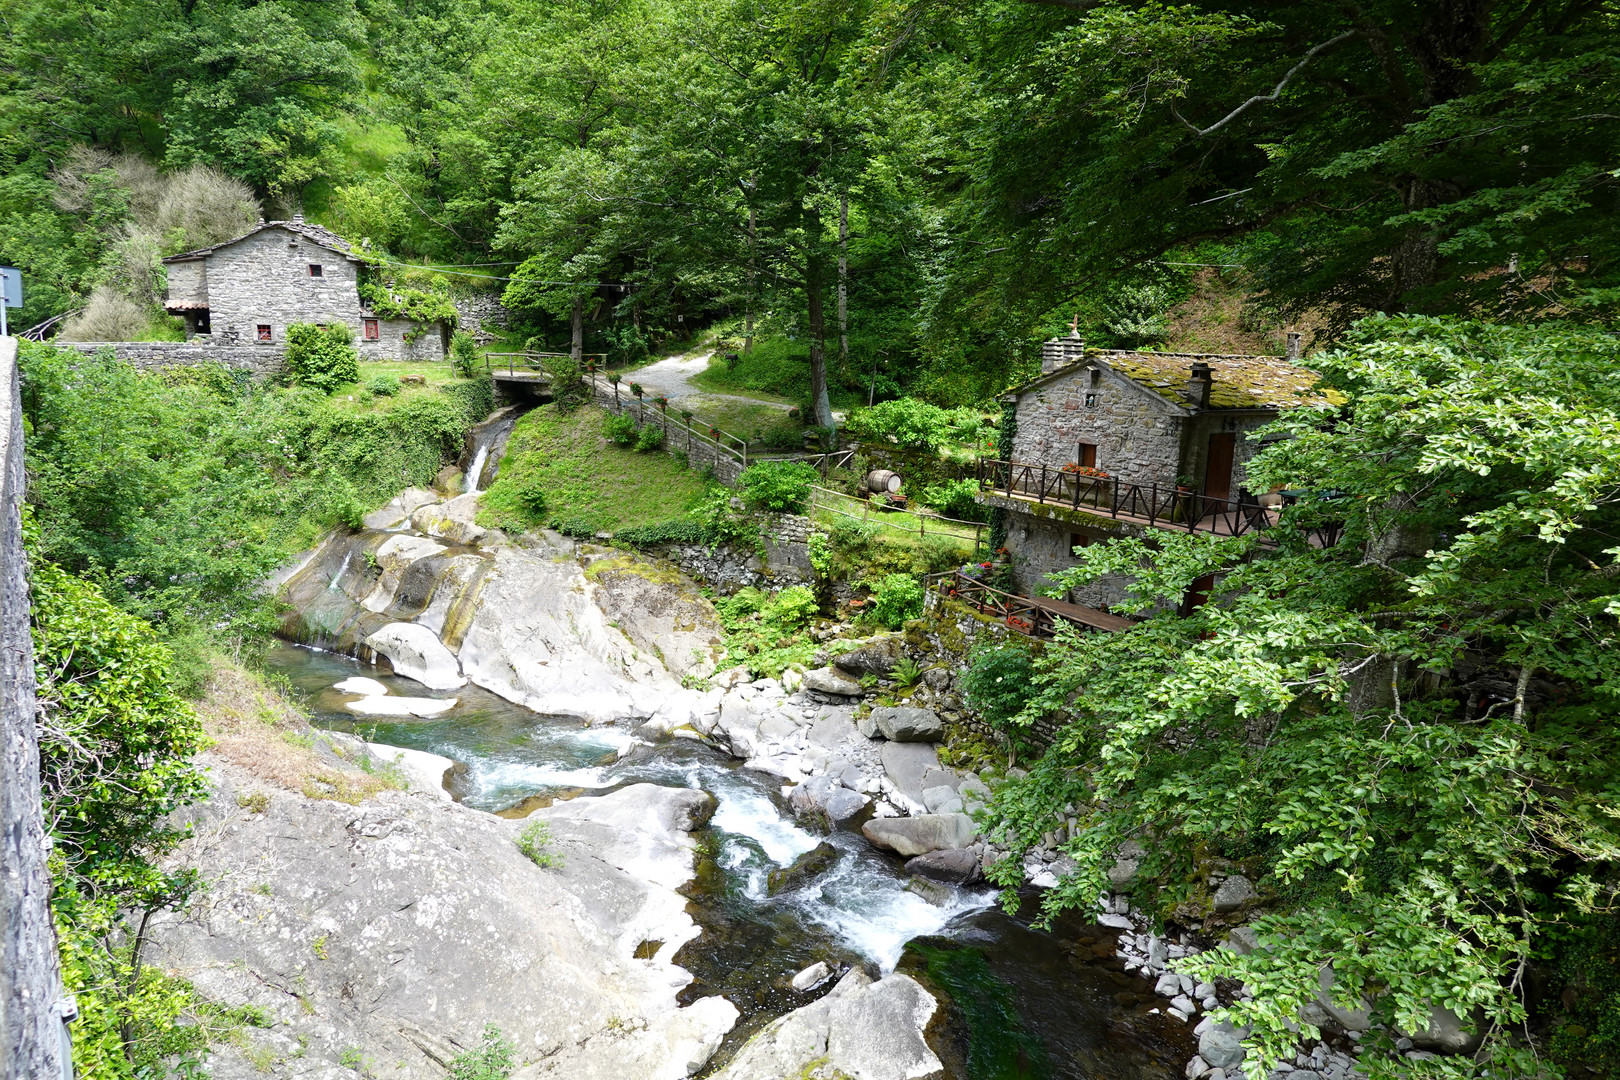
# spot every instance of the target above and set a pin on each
(753, 254)
(813, 272)
(577, 350)
(843, 281)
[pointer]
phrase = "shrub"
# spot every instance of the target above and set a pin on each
(897, 598)
(914, 423)
(463, 354)
(531, 495)
(783, 437)
(382, 386)
(779, 485)
(955, 499)
(650, 437)
(568, 389)
(664, 532)
(575, 528)
(791, 609)
(998, 683)
(323, 359)
(491, 1059)
(534, 842)
(621, 428)
(109, 316)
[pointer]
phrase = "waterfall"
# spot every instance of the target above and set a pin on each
(485, 445)
(477, 468)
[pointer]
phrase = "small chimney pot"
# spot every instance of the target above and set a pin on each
(1293, 345)
(1198, 386)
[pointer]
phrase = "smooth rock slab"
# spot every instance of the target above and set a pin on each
(920, 834)
(861, 1029)
(359, 684)
(417, 653)
(400, 706)
(905, 724)
(422, 771)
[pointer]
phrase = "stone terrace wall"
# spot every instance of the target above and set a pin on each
(263, 360)
(32, 1030)
(701, 452)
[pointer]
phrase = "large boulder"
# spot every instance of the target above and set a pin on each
(957, 866)
(417, 653)
(1448, 1033)
(452, 520)
(862, 1029)
(392, 931)
(904, 724)
(1233, 893)
(1221, 1046)
(921, 834)
(661, 611)
(877, 657)
(827, 680)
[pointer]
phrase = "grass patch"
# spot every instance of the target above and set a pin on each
(582, 478)
(778, 369)
(254, 726)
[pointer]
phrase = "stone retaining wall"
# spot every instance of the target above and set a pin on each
(702, 453)
(263, 360)
(33, 1036)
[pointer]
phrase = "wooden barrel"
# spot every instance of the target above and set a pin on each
(882, 482)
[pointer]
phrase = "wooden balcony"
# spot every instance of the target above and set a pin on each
(1149, 506)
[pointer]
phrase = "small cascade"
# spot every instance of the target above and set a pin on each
(485, 446)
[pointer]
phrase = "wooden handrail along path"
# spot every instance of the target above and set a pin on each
(1177, 508)
(1034, 617)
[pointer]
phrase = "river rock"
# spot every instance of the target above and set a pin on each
(1447, 1034)
(956, 866)
(1233, 893)
(661, 611)
(1221, 1045)
(811, 796)
(861, 1029)
(903, 724)
(399, 508)
(421, 770)
(393, 930)
(877, 657)
(357, 684)
(811, 977)
(397, 705)
(826, 680)
(942, 799)
(1243, 940)
(417, 653)
(909, 765)
(921, 834)
(811, 864)
(451, 520)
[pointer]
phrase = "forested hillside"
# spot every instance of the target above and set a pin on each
(1388, 709)
(970, 175)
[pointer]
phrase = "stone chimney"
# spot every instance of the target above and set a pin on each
(1198, 386)
(1293, 344)
(1061, 352)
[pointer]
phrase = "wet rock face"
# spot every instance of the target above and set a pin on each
(810, 865)
(957, 866)
(397, 928)
(921, 834)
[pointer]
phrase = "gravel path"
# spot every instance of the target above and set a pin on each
(673, 375)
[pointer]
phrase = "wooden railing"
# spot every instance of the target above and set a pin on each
(1031, 616)
(1153, 505)
(523, 362)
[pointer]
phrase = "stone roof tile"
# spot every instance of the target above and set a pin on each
(322, 236)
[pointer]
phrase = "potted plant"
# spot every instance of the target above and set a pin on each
(635, 388)
(662, 402)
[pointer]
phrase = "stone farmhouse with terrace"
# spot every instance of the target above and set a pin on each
(246, 291)
(1113, 443)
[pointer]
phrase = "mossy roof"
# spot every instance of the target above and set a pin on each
(1239, 382)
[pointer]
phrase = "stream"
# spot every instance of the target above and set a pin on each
(1023, 1003)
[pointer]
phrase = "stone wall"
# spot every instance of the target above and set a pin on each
(702, 453)
(1042, 546)
(725, 568)
(262, 360)
(1137, 433)
(482, 315)
(33, 1032)
(264, 279)
(394, 342)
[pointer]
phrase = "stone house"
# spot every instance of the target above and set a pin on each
(247, 291)
(1116, 443)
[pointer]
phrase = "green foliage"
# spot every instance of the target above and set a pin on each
(426, 305)
(463, 354)
(998, 684)
(1136, 316)
(491, 1059)
(530, 494)
(895, 599)
(663, 532)
(568, 387)
(907, 672)
(382, 386)
(779, 485)
(1383, 726)
(321, 358)
(650, 437)
(955, 499)
(767, 633)
(535, 841)
(621, 428)
(915, 424)
(177, 492)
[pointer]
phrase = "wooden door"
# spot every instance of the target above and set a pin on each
(1087, 455)
(1218, 465)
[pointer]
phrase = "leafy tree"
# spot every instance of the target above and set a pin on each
(1407, 735)
(322, 357)
(779, 485)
